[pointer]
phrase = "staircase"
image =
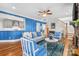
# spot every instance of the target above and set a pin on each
(70, 36)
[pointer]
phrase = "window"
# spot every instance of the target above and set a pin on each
(11, 24)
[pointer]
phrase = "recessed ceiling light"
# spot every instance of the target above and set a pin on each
(13, 7)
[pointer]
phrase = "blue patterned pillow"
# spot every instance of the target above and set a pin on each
(38, 33)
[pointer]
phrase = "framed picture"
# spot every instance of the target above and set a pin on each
(52, 25)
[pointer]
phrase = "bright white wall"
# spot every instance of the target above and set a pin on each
(59, 25)
(1, 25)
(67, 20)
(10, 17)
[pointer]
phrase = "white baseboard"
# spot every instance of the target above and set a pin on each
(15, 40)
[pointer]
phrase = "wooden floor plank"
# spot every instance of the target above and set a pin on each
(10, 49)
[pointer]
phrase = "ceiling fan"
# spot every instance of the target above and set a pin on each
(45, 12)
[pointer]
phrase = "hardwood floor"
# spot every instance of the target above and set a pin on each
(10, 49)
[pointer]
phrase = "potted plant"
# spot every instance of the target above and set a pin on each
(75, 23)
(76, 27)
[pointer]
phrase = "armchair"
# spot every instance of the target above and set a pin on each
(31, 48)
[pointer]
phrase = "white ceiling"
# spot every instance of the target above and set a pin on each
(59, 10)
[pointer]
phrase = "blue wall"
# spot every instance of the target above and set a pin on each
(9, 35)
(30, 27)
